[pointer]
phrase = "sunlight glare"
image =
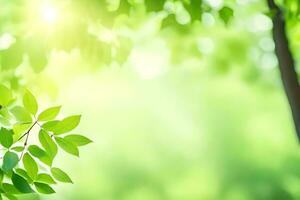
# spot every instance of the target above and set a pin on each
(49, 13)
(150, 60)
(6, 40)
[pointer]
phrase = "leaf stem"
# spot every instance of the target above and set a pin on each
(27, 131)
(27, 137)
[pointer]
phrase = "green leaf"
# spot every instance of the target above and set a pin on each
(21, 114)
(21, 184)
(4, 122)
(60, 175)
(67, 124)
(10, 160)
(9, 188)
(6, 95)
(36, 151)
(67, 146)
(78, 140)
(30, 103)
(4, 113)
(194, 8)
(10, 196)
(45, 178)
(30, 166)
(226, 14)
(37, 54)
(20, 129)
(48, 143)
(18, 148)
(49, 114)
(13, 56)
(39, 153)
(157, 5)
(49, 126)
(24, 174)
(43, 188)
(1, 176)
(6, 137)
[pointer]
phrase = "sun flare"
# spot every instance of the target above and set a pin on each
(49, 13)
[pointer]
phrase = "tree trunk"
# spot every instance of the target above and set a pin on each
(286, 63)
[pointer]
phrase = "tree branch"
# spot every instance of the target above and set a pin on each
(286, 63)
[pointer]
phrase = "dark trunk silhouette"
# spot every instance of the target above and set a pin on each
(286, 63)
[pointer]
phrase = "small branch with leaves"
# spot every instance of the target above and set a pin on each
(29, 168)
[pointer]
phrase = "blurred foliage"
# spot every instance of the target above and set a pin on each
(96, 27)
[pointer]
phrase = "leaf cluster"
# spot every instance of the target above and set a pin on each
(26, 167)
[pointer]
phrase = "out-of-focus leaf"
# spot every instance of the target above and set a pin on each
(1, 176)
(9, 188)
(10, 196)
(37, 54)
(5, 113)
(21, 114)
(6, 95)
(156, 6)
(12, 57)
(30, 102)
(10, 160)
(6, 137)
(226, 14)
(18, 148)
(194, 7)
(4, 122)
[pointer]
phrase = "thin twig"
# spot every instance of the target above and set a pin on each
(27, 137)
(27, 131)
